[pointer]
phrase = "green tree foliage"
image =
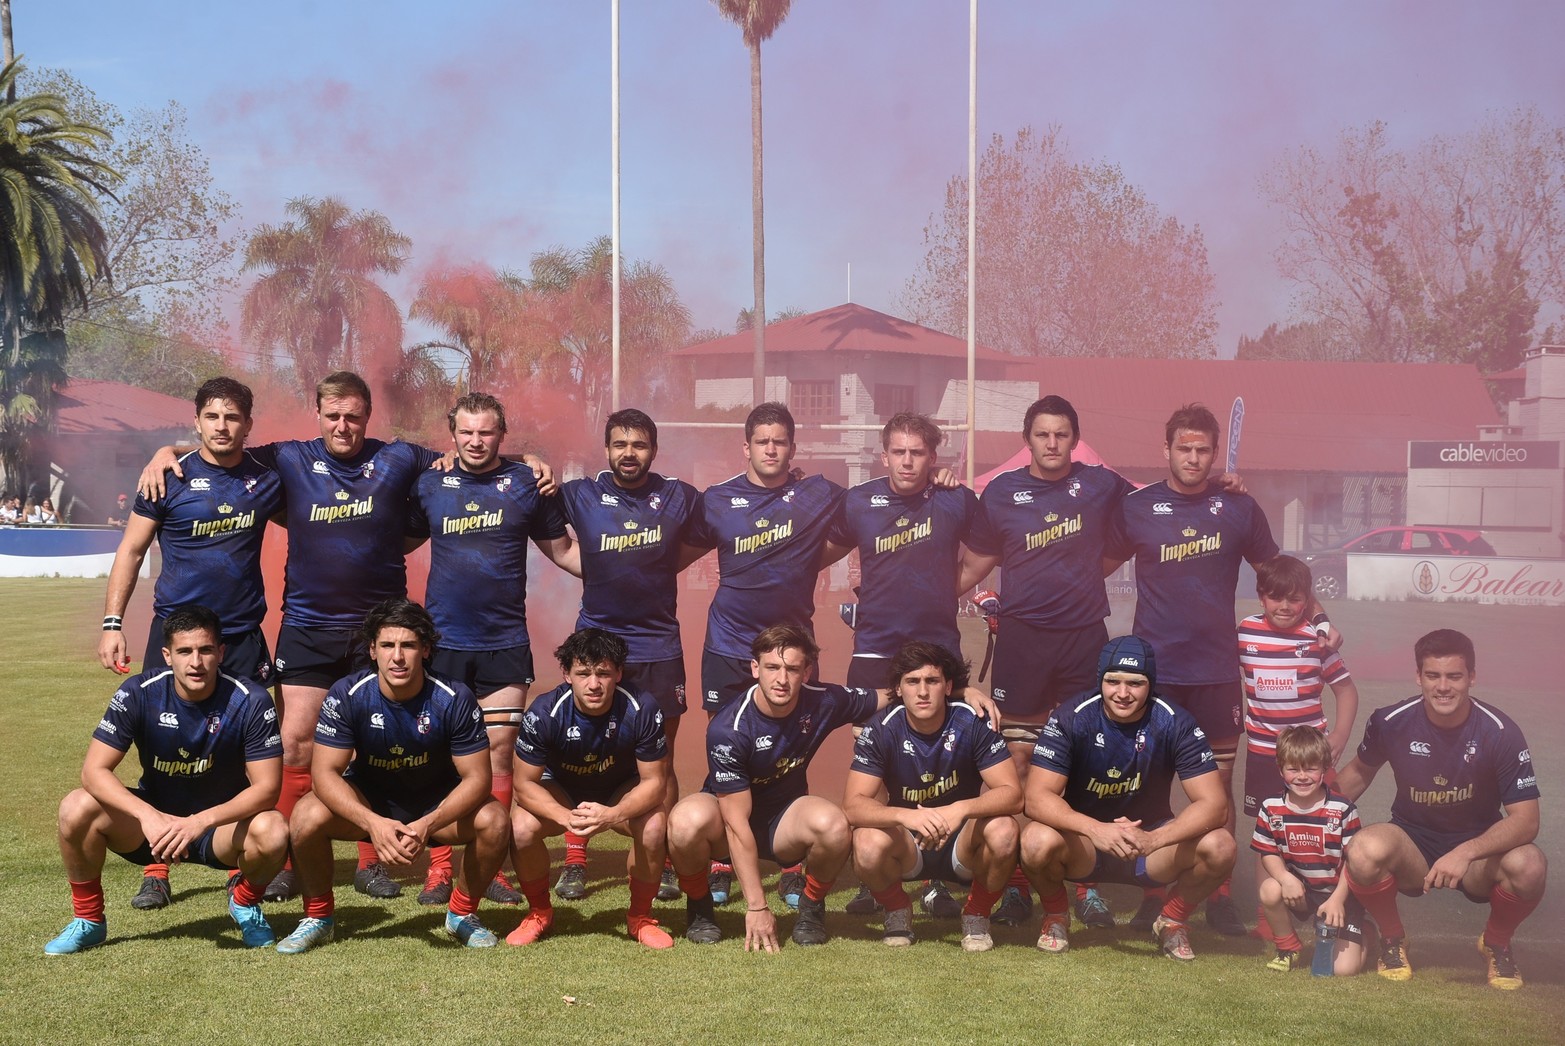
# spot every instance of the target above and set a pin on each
(53, 249)
(1072, 261)
(1443, 252)
(316, 298)
(757, 20)
(1309, 340)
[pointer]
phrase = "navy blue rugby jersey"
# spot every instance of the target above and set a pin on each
(929, 769)
(769, 542)
(346, 521)
(1050, 536)
(210, 525)
(1116, 769)
(630, 544)
(591, 756)
(1187, 549)
(193, 754)
(478, 527)
(909, 550)
(1450, 782)
(402, 748)
(746, 748)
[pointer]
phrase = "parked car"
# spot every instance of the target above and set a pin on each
(1329, 566)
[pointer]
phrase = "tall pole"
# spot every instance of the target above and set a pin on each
(614, 180)
(972, 238)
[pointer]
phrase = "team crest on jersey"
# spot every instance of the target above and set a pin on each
(655, 502)
(368, 469)
(250, 482)
(1141, 740)
(1276, 824)
(806, 724)
(950, 741)
(1333, 823)
(1215, 506)
(1471, 752)
(608, 731)
(503, 484)
(423, 722)
(214, 723)
(879, 501)
(450, 481)
(788, 497)
(1073, 488)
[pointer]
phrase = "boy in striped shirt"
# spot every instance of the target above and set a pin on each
(1300, 836)
(1286, 665)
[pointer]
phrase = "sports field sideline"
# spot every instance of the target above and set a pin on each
(181, 974)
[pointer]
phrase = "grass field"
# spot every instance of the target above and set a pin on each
(180, 974)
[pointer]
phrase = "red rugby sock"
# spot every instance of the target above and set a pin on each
(892, 897)
(575, 848)
(641, 895)
(694, 886)
(87, 900)
(246, 894)
(980, 900)
(368, 856)
(322, 907)
(461, 904)
(501, 789)
(816, 889)
(1289, 943)
(537, 893)
(1506, 912)
(1057, 903)
(440, 861)
(156, 871)
(296, 783)
(1380, 901)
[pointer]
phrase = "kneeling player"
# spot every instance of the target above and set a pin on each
(590, 756)
(211, 768)
(933, 755)
(401, 759)
(1098, 794)
(755, 804)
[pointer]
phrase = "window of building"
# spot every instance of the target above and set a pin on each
(813, 399)
(894, 399)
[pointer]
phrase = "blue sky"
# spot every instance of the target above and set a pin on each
(481, 129)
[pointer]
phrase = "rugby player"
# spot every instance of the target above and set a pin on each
(478, 518)
(770, 529)
(756, 804)
(1465, 813)
(934, 758)
(402, 760)
(209, 528)
(1098, 799)
(347, 507)
(591, 756)
(908, 531)
(1188, 537)
(211, 765)
(1045, 527)
(630, 525)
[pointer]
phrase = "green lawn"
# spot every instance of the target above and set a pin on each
(180, 975)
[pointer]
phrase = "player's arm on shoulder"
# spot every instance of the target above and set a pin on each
(562, 552)
(1354, 778)
(132, 552)
(863, 804)
(164, 459)
(547, 485)
(984, 705)
(1231, 483)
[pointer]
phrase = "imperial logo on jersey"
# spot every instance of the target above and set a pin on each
(476, 521)
(397, 761)
(342, 510)
(210, 528)
(1105, 789)
(1054, 531)
(1205, 545)
(780, 532)
(182, 767)
(892, 542)
(634, 539)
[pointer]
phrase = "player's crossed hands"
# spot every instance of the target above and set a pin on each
(1121, 837)
(395, 843)
(929, 827)
(170, 838)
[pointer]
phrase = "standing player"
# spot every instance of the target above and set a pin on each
(478, 518)
(1465, 813)
(211, 763)
(403, 762)
(1188, 538)
(209, 528)
(953, 793)
(1098, 796)
(1045, 527)
(908, 532)
(591, 757)
(630, 527)
(347, 508)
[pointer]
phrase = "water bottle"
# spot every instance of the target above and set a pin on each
(1324, 959)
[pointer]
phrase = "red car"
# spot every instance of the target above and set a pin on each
(1329, 566)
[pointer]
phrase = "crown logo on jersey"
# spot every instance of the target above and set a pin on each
(631, 524)
(225, 509)
(1189, 532)
(396, 749)
(926, 777)
(183, 754)
(341, 495)
(762, 524)
(591, 758)
(1113, 772)
(1052, 517)
(471, 506)
(902, 521)
(1441, 781)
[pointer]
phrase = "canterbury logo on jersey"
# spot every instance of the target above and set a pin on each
(636, 539)
(477, 521)
(205, 528)
(1054, 532)
(344, 510)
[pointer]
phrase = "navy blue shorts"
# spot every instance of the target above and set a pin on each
(724, 680)
(1433, 846)
(485, 671)
(245, 654)
(1037, 668)
(763, 825)
(1218, 708)
(318, 657)
(664, 680)
(869, 672)
(200, 851)
(940, 864)
(404, 808)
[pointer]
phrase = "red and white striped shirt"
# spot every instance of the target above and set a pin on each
(1284, 672)
(1310, 842)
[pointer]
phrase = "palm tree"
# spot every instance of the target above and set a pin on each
(52, 249)
(758, 19)
(478, 312)
(317, 297)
